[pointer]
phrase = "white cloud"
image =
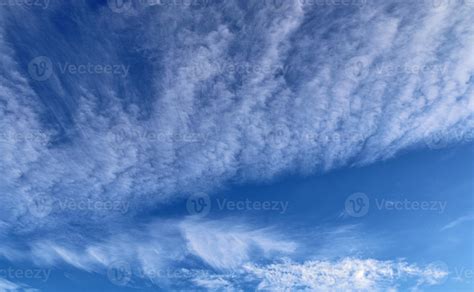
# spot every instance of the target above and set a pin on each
(230, 255)
(457, 222)
(194, 130)
(362, 85)
(348, 274)
(8, 286)
(225, 247)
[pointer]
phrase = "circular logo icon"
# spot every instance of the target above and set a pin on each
(357, 205)
(438, 5)
(439, 271)
(119, 273)
(119, 6)
(468, 135)
(40, 205)
(118, 136)
(277, 4)
(198, 204)
(357, 68)
(436, 140)
(279, 137)
(40, 68)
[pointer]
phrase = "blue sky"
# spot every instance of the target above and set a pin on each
(212, 145)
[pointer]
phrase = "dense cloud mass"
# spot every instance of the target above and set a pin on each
(224, 91)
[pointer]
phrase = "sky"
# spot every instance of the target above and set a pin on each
(211, 145)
